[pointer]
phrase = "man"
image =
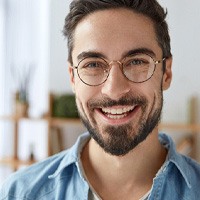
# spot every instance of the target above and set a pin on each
(120, 63)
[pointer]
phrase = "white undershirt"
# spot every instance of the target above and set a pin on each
(94, 196)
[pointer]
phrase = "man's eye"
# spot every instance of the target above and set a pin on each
(94, 65)
(137, 62)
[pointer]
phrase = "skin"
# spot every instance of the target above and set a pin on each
(113, 33)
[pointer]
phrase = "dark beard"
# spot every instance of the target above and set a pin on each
(122, 139)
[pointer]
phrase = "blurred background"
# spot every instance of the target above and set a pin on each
(36, 121)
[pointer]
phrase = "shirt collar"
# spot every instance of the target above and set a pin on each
(72, 155)
(177, 159)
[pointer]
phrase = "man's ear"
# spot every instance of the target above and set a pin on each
(167, 76)
(71, 75)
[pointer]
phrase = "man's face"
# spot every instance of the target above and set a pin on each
(119, 114)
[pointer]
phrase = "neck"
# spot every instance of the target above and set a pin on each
(137, 168)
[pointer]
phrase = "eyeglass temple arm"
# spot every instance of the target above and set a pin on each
(159, 61)
(74, 67)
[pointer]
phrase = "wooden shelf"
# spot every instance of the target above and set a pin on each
(53, 120)
(63, 121)
(180, 127)
(15, 163)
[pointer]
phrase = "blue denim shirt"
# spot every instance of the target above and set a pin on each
(59, 177)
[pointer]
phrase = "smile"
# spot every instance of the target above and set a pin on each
(117, 113)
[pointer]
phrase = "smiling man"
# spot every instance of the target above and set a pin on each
(119, 65)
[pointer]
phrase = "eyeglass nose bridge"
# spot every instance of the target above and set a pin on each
(107, 71)
(115, 61)
(110, 66)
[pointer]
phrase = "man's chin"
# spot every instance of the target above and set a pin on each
(117, 141)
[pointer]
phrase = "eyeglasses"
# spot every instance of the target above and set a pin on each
(138, 68)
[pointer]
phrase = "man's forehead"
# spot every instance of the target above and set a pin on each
(112, 15)
(126, 31)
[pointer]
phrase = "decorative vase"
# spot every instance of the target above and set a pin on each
(21, 109)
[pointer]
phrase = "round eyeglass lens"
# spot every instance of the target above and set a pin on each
(138, 68)
(93, 71)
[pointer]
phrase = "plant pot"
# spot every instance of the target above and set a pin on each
(21, 109)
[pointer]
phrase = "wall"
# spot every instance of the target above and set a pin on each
(58, 78)
(183, 18)
(2, 54)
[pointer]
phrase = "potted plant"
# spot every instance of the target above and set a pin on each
(21, 104)
(22, 77)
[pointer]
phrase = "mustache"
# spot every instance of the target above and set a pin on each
(126, 100)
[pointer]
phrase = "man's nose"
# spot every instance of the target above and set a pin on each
(117, 84)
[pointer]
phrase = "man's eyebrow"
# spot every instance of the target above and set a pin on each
(94, 54)
(89, 54)
(139, 50)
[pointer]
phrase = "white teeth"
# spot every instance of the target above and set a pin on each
(117, 116)
(118, 111)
